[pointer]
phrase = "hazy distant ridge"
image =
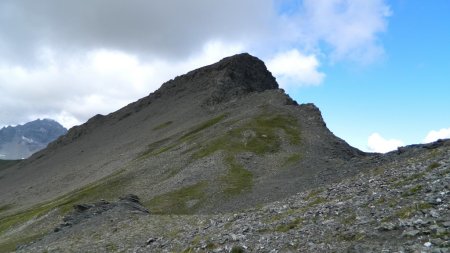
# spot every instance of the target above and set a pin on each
(23, 140)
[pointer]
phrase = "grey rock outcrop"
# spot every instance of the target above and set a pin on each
(83, 213)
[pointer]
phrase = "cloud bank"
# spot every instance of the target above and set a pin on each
(101, 81)
(434, 135)
(377, 143)
(71, 60)
(163, 29)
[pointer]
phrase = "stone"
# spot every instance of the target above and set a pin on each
(434, 201)
(441, 231)
(434, 228)
(151, 240)
(411, 233)
(388, 226)
(131, 198)
(434, 213)
(81, 207)
(419, 222)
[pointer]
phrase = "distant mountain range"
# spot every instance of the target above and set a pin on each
(23, 140)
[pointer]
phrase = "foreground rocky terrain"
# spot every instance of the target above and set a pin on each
(402, 205)
(221, 160)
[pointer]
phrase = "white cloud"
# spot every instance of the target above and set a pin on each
(292, 68)
(101, 81)
(350, 27)
(376, 143)
(434, 135)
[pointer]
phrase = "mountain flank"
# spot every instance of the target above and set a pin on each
(208, 148)
(226, 123)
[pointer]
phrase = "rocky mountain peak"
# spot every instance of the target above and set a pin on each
(241, 71)
(245, 72)
(229, 78)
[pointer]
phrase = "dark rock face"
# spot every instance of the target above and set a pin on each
(232, 76)
(227, 79)
(239, 74)
(23, 140)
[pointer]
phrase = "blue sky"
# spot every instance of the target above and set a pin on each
(401, 95)
(377, 69)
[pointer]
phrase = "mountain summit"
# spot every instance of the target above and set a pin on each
(223, 138)
(227, 79)
(225, 130)
(232, 76)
